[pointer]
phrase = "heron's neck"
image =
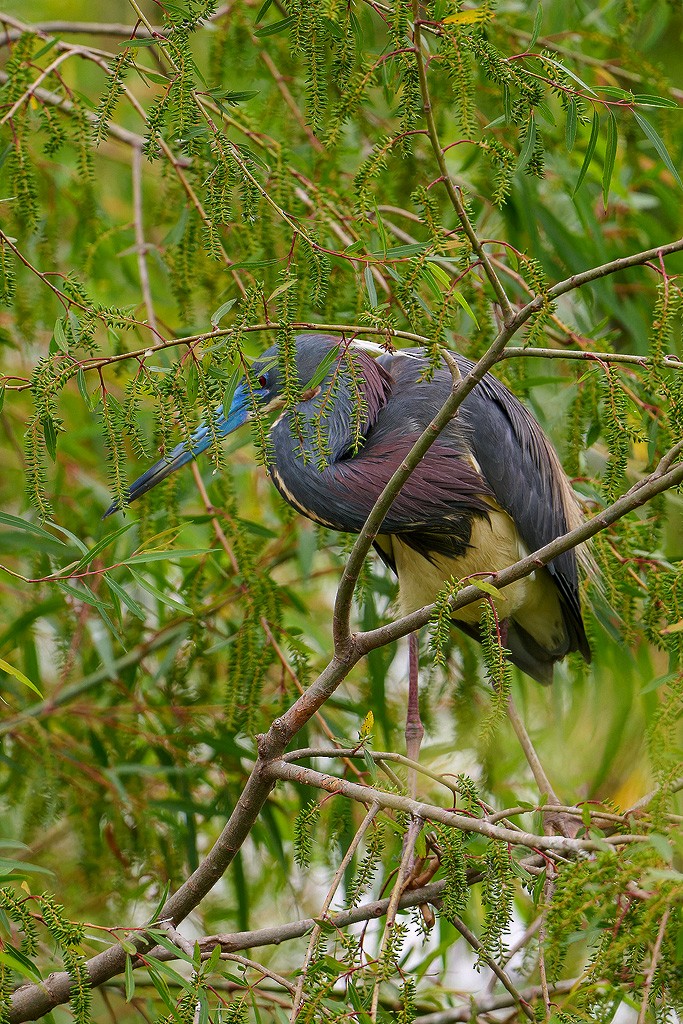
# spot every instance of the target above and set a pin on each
(332, 424)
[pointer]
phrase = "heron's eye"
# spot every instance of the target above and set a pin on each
(263, 380)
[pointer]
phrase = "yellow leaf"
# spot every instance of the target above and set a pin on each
(12, 671)
(367, 726)
(472, 16)
(489, 588)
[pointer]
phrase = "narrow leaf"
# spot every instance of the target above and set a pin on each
(321, 370)
(83, 388)
(263, 10)
(21, 524)
(138, 43)
(537, 26)
(60, 336)
(462, 301)
(643, 99)
(610, 155)
(167, 556)
(558, 64)
(129, 979)
(529, 145)
(590, 149)
(370, 286)
(125, 598)
(177, 606)
(572, 121)
(17, 674)
(658, 143)
(75, 325)
(94, 551)
(271, 30)
(50, 435)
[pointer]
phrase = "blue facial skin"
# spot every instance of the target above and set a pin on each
(200, 440)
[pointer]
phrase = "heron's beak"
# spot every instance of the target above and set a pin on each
(200, 440)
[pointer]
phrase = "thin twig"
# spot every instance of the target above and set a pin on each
(650, 977)
(502, 975)
(548, 890)
(405, 867)
(453, 193)
(140, 245)
(322, 915)
(529, 751)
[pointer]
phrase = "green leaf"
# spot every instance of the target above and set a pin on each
(16, 961)
(561, 67)
(123, 595)
(161, 902)
(370, 286)
(572, 121)
(271, 30)
(76, 541)
(381, 231)
(590, 149)
(192, 382)
(85, 595)
(141, 581)
(82, 387)
(129, 979)
(44, 49)
(527, 149)
(399, 251)
(12, 671)
(137, 43)
(229, 392)
(462, 301)
(218, 315)
(427, 275)
(166, 556)
(658, 143)
(21, 524)
(60, 335)
(263, 10)
(322, 368)
(643, 99)
(50, 435)
(610, 156)
(75, 325)
(537, 27)
(232, 98)
(94, 551)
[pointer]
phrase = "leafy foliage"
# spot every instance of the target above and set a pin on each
(176, 198)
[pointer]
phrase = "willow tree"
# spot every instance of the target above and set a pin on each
(180, 190)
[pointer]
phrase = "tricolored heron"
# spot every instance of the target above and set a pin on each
(490, 489)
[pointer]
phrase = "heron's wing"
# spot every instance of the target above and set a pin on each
(518, 464)
(525, 474)
(433, 509)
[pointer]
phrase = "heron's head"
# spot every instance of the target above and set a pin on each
(327, 378)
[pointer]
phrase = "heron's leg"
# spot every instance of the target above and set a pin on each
(414, 727)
